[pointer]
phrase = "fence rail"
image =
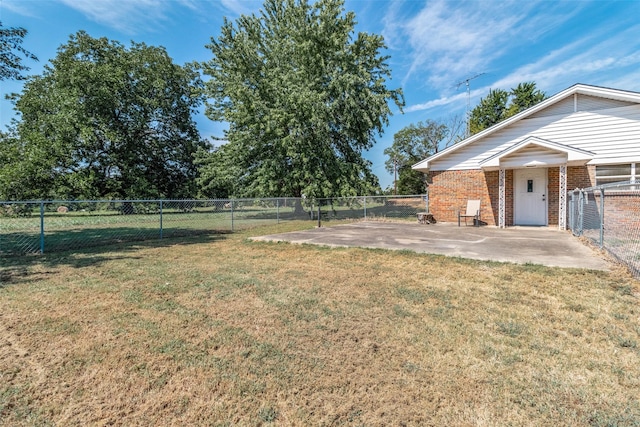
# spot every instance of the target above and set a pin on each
(48, 226)
(609, 215)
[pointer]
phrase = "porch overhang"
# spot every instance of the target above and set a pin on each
(537, 152)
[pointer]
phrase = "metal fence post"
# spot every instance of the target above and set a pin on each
(580, 223)
(601, 218)
(41, 227)
(365, 207)
(161, 219)
(319, 220)
(571, 213)
(277, 211)
(426, 201)
(231, 203)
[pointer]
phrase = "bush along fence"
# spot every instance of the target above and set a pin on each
(49, 226)
(609, 215)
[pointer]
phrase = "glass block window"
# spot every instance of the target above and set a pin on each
(606, 174)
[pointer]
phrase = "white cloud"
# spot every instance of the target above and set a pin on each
(452, 40)
(16, 6)
(392, 26)
(608, 55)
(129, 17)
(445, 100)
(626, 82)
(190, 4)
(238, 7)
(139, 16)
(585, 61)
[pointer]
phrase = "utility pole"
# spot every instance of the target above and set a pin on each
(466, 83)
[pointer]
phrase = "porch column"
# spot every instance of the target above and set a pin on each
(562, 209)
(501, 201)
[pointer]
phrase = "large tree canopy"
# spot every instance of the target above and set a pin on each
(412, 144)
(303, 97)
(501, 104)
(104, 121)
(12, 52)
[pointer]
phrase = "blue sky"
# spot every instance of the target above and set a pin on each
(433, 45)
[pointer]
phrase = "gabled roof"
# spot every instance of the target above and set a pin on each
(582, 89)
(573, 154)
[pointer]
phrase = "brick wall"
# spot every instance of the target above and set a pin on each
(577, 177)
(580, 177)
(450, 190)
(622, 213)
(493, 184)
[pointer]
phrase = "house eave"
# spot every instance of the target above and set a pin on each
(614, 160)
(583, 89)
(535, 164)
(570, 155)
(422, 166)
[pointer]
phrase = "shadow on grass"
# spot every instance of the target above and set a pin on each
(19, 243)
(384, 211)
(335, 212)
(86, 248)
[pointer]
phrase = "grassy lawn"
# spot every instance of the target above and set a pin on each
(218, 330)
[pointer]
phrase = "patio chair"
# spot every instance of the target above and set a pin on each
(473, 211)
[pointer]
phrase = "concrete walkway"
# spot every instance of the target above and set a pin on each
(537, 245)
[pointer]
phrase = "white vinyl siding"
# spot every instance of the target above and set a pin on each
(580, 102)
(611, 133)
(594, 103)
(566, 106)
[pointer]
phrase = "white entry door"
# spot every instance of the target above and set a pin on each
(530, 190)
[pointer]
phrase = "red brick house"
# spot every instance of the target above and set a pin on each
(522, 168)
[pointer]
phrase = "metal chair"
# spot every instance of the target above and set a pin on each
(473, 211)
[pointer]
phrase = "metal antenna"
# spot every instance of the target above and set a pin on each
(466, 82)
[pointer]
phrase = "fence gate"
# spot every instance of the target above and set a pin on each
(609, 216)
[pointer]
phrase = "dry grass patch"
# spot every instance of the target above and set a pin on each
(225, 331)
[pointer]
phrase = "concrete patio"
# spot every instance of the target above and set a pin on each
(536, 245)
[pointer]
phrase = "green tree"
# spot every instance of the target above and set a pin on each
(11, 53)
(523, 96)
(303, 96)
(411, 145)
(21, 168)
(491, 110)
(104, 121)
(218, 172)
(500, 105)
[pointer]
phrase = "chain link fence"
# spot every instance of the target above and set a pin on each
(53, 226)
(609, 215)
(372, 207)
